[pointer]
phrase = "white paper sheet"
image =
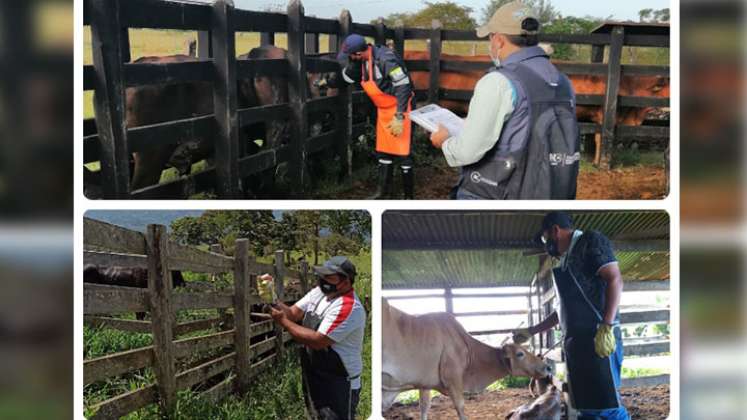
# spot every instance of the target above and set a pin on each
(430, 116)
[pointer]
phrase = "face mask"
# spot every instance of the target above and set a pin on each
(327, 287)
(551, 246)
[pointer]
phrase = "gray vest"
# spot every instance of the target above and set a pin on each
(537, 154)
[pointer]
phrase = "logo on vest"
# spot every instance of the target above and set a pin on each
(564, 159)
(477, 178)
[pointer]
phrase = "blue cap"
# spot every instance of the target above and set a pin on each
(353, 43)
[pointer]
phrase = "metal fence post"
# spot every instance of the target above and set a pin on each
(610, 100)
(225, 100)
(109, 55)
(435, 61)
(162, 316)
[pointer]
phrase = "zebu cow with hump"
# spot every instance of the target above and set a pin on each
(433, 351)
(583, 84)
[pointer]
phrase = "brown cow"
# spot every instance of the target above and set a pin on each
(656, 86)
(434, 351)
(547, 407)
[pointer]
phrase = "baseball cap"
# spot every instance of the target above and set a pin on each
(353, 43)
(337, 265)
(560, 218)
(511, 19)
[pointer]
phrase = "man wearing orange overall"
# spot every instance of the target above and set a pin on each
(384, 78)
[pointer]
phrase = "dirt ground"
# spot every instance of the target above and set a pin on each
(650, 403)
(632, 183)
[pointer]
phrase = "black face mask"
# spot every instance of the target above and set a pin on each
(327, 287)
(551, 246)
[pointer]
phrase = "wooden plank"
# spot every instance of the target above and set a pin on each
(179, 188)
(344, 120)
(279, 274)
(241, 310)
(321, 65)
(311, 41)
(138, 74)
(98, 235)
(264, 346)
(204, 46)
(581, 68)
(146, 137)
(89, 78)
(597, 53)
(129, 325)
(321, 141)
(160, 289)
(221, 390)
(102, 299)
(333, 41)
(415, 33)
(190, 346)
(611, 97)
(225, 101)
(643, 102)
(160, 14)
(187, 258)
(435, 61)
(116, 364)
(364, 29)
(645, 349)
(255, 21)
(259, 328)
(303, 278)
(324, 103)
(207, 370)
(593, 39)
(247, 68)
(458, 66)
(267, 38)
(257, 163)
(380, 38)
(646, 381)
(449, 300)
(399, 38)
(646, 285)
(123, 404)
(211, 300)
(640, 70)
(639, 317)
(324, 26)
(114, 259)
(548, 296)
(109, 101)
(492, 332)
(297, 95)
(249, 116)
(647, 41)
(198, 325)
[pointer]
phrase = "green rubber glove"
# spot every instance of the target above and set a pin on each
(521, 335)
(604, 341)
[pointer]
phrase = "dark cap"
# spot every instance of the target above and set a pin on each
(560, 218)
(337, 265)
(353, 43)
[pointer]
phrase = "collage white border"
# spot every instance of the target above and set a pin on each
(376, 208)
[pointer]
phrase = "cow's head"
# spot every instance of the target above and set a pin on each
(521, 362)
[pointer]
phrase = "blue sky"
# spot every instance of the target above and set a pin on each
(365, 10)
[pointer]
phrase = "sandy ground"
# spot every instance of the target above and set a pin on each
(634, 183)
(650, 403)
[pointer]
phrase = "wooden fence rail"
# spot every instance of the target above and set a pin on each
(108, 140)
(246, 345)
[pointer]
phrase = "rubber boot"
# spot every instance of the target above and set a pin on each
(408, 182)
(384, 188)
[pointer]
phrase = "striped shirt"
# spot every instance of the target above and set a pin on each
(344, 322)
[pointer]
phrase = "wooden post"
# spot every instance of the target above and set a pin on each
(297, 92)
(530, 314)
(344, 119)
(304, 277)
(399, 39)
(332, 41)
(218, 249)
(435, 61)
(610, 101)
(204, 46)
(267, 38)
(449, 297)
(161, 312)
(241, 314)
(312, 43)
(279, 274)
(597, 53)
(225, 100)
(109, 55)
(380, 32)
(253, 279)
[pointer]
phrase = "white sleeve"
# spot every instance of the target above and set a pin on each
(489, 108)
(307, 300)
(341, 320)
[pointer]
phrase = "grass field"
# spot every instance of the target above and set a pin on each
(275, 394)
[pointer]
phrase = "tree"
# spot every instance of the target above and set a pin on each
(546, 12)
(569, 25)
(654, 16)
(336, 244)
(450, 14)
(644, 15)
(224, 226)
(309, 226)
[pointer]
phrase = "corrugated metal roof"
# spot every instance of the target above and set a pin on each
(433, 249)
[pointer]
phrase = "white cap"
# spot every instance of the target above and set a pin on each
(508, 20)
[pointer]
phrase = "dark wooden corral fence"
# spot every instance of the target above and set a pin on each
(108, 140)
(613, 70)
(255, 344)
